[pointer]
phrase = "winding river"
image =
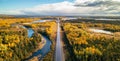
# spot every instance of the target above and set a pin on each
(45, 49)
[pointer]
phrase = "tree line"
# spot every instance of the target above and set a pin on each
(91, 47)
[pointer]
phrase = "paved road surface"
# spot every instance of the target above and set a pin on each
(59, 50)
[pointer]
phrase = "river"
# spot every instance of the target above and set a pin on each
(41, 52)
(45, 49)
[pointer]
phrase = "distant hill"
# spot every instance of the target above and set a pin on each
(6, 16)
(24, 16)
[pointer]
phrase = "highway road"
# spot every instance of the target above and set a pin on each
(59, 55)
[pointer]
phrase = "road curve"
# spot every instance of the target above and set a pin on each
(59, 50)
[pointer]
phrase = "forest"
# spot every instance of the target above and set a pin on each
(81, 44)
(91, 46)
(14, 41)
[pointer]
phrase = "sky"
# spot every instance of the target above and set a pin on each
(60, 7)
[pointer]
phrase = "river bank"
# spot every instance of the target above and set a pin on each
(41, 44)
(38, 47)
(42, 50)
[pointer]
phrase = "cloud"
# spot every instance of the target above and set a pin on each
(100, 6)
(78, 7)
(56, 8)
(93, 3)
